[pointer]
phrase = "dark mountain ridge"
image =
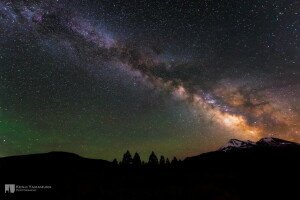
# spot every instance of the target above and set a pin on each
(235, 144)
(267, 152)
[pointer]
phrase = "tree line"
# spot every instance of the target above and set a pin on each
(136, 160)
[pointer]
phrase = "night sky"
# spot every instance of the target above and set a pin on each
(180, 78)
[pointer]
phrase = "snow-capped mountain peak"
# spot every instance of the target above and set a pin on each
(270, 141)
(235, 144)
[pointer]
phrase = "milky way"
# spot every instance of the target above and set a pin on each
(180, 78)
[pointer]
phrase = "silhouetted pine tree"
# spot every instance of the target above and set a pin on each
(162, 160)
(136, 160)
(115, 162)
(167, 161)
(174, 161)
(127, 159)
(153, 159)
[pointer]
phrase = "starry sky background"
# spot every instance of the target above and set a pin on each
(177, 77)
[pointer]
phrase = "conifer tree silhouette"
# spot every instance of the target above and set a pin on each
(167, 161)
(136, 160)
(153, 159)
(127, 159)
(174, 161)
(162, 160)
(115, 162)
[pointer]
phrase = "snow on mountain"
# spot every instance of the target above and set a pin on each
(235, 143)
(268, 141)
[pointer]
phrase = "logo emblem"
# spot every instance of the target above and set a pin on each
(10, 188)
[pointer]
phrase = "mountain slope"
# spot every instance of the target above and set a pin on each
(246, 156)
(235, 144)
(276, 142)
(50, 164)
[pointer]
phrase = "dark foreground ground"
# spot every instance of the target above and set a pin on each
(266, 173)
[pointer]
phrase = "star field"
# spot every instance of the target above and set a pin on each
(176, 77)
